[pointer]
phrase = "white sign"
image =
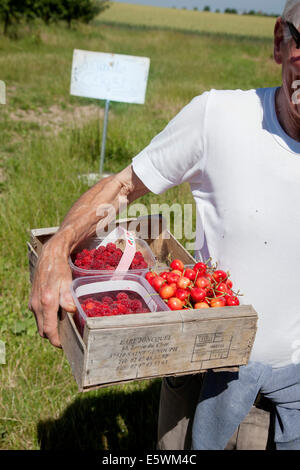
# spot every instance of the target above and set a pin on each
(113, 77)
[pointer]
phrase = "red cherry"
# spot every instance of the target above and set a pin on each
(157, 283)
(201, 305)
(221, 289)
(218, 302)
(167, 291)
(164, 274)
(150, 275)
(172, 277)
(198, 294)
(183, 282)
(200, 268)
(175, 304)
(219, 275)
(232, 301)
(202, 282)
(177, 264)
(190, 274)
(182, 294)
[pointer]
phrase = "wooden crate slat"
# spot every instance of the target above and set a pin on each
(73, 346)
(139, 352)
(168, 317)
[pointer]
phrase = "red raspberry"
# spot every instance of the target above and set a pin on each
(136, 305)
(143, 264)
(122, 309)
(125, 302)
(105, 310)
(122, 296)
(111, 246)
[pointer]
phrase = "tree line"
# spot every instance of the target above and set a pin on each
(49, 11)
(235, 11)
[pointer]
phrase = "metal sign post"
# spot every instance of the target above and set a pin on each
(2, 92)
(104, 132)
(110, 77)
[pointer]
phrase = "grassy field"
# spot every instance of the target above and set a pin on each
(188, 20)
(48, 138)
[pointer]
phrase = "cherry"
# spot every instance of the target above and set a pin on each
(177, 264)
(175, 304)
(198, 294)
(200, 268)
(232, 301)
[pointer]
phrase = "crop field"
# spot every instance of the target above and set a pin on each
(47, 139)
(188, 20)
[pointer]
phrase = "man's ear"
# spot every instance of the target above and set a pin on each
(278, 40)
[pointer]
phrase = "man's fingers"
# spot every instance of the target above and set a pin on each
(65, 298)
(51, 289)
(34, 307)
(44, 303)
(49, 307)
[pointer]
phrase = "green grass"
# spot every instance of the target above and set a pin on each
(39, 403)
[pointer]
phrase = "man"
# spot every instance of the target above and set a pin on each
(239, 150)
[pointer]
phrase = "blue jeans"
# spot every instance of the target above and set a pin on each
(227, 397)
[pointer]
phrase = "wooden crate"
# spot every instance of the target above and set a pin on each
(119, 349)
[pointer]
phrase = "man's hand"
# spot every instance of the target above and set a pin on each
(51, 289)
(52, 279)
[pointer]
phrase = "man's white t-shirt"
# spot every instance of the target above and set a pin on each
(244, 173)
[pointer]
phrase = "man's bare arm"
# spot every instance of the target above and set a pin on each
(51, 284)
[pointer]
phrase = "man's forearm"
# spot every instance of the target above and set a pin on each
(82, 219)
(51, 284)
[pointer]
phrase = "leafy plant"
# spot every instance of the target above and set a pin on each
(78, 10)
(12, 11)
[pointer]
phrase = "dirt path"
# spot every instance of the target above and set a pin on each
(56, 118)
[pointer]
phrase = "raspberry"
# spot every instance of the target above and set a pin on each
(125, 302)
(106, 258)
(122, 296)
(143, 264)
(111, 246)
(136, 305)
(105, 310)
(122, 309)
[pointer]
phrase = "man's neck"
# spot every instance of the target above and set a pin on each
(287, 119)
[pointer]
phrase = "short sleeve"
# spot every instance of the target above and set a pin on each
(177, 154)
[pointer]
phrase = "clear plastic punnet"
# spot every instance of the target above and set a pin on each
(97, 289)
(126, 242)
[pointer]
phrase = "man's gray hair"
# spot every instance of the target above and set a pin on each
(291, 13)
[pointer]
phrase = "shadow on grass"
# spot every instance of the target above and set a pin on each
(110, 419)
